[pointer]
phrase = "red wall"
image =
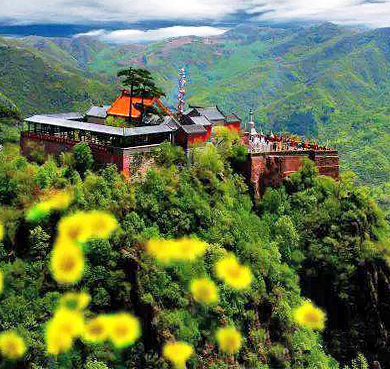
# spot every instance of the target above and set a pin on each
(234, 125)
(56, 145)
(269, 170)
(197, 137)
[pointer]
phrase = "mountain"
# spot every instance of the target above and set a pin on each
(40, 77)
(323, 81)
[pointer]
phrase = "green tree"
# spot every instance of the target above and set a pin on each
(83, 157)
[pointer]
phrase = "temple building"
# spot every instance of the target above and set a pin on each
(133, 124)
(114, 137)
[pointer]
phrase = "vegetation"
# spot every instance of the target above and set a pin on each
(312, 232)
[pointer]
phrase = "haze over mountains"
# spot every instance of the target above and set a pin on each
(322, 81)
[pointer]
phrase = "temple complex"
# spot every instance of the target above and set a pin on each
(135, 124)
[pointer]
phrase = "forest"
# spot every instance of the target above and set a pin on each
(181, 268)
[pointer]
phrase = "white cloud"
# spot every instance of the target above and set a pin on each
(374, 13)
(134, 36)
(129, 11)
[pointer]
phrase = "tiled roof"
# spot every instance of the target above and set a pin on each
(98, 111)
(193, 128)
(70, 116)
(233, 118)
(101, 128)
(121, 106)
(211, 113)
(203, 121)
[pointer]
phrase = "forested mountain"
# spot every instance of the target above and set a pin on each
(323, 81)
(312, 238)
(46, 81)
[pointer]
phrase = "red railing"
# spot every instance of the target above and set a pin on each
(65, 141)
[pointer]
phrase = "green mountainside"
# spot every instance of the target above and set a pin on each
(46, 81)
(313, 238)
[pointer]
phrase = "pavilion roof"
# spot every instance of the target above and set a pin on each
(202, 120)
(98, 111)
(193, 128)
(121, 106)
(165, 127)
(233, 118)
(211, 112)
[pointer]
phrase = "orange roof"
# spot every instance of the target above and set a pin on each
(121, 105)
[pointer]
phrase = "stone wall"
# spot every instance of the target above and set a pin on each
(269, 169)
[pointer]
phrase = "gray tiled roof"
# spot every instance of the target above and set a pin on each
(233, 118)
(211, 113)
(100, 128)
(193, 128)
(98, 111)
(203, 121)
(70, 116)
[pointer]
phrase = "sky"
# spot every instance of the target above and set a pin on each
(127, 21)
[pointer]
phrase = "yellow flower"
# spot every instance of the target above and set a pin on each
(1, 281)
(67, 264)
(12, 346)
(97, 329)
(62, 329)
(167, 251)
(74, 228)
(232, 273)
(229, 339)
(56, 341)
(309, 316)
(190, 249)
(204, 291)
(68, 322)
(60, 201)
(1, 231)
(101, 224)
(75, 301)
(124, 329)
(178, 353)
(161, 250)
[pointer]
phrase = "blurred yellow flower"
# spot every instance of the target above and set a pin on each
(309, 316)
(12, 346)
(68, 322)
(59, 201)
(101, 224)
(232, 273)
(167, 251)
(74, 228)
(97, 329)
(178, 353)
(1, 231)
(190, 249)
(62, 329)
(67, 264)
(204, 291)
(1, 281)
(124, 329)
(75, 301)
(229, 339)
(56, 341)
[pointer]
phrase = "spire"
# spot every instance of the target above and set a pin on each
(252, 129)
(182, 91)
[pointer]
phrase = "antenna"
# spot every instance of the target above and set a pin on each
(182, 91)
